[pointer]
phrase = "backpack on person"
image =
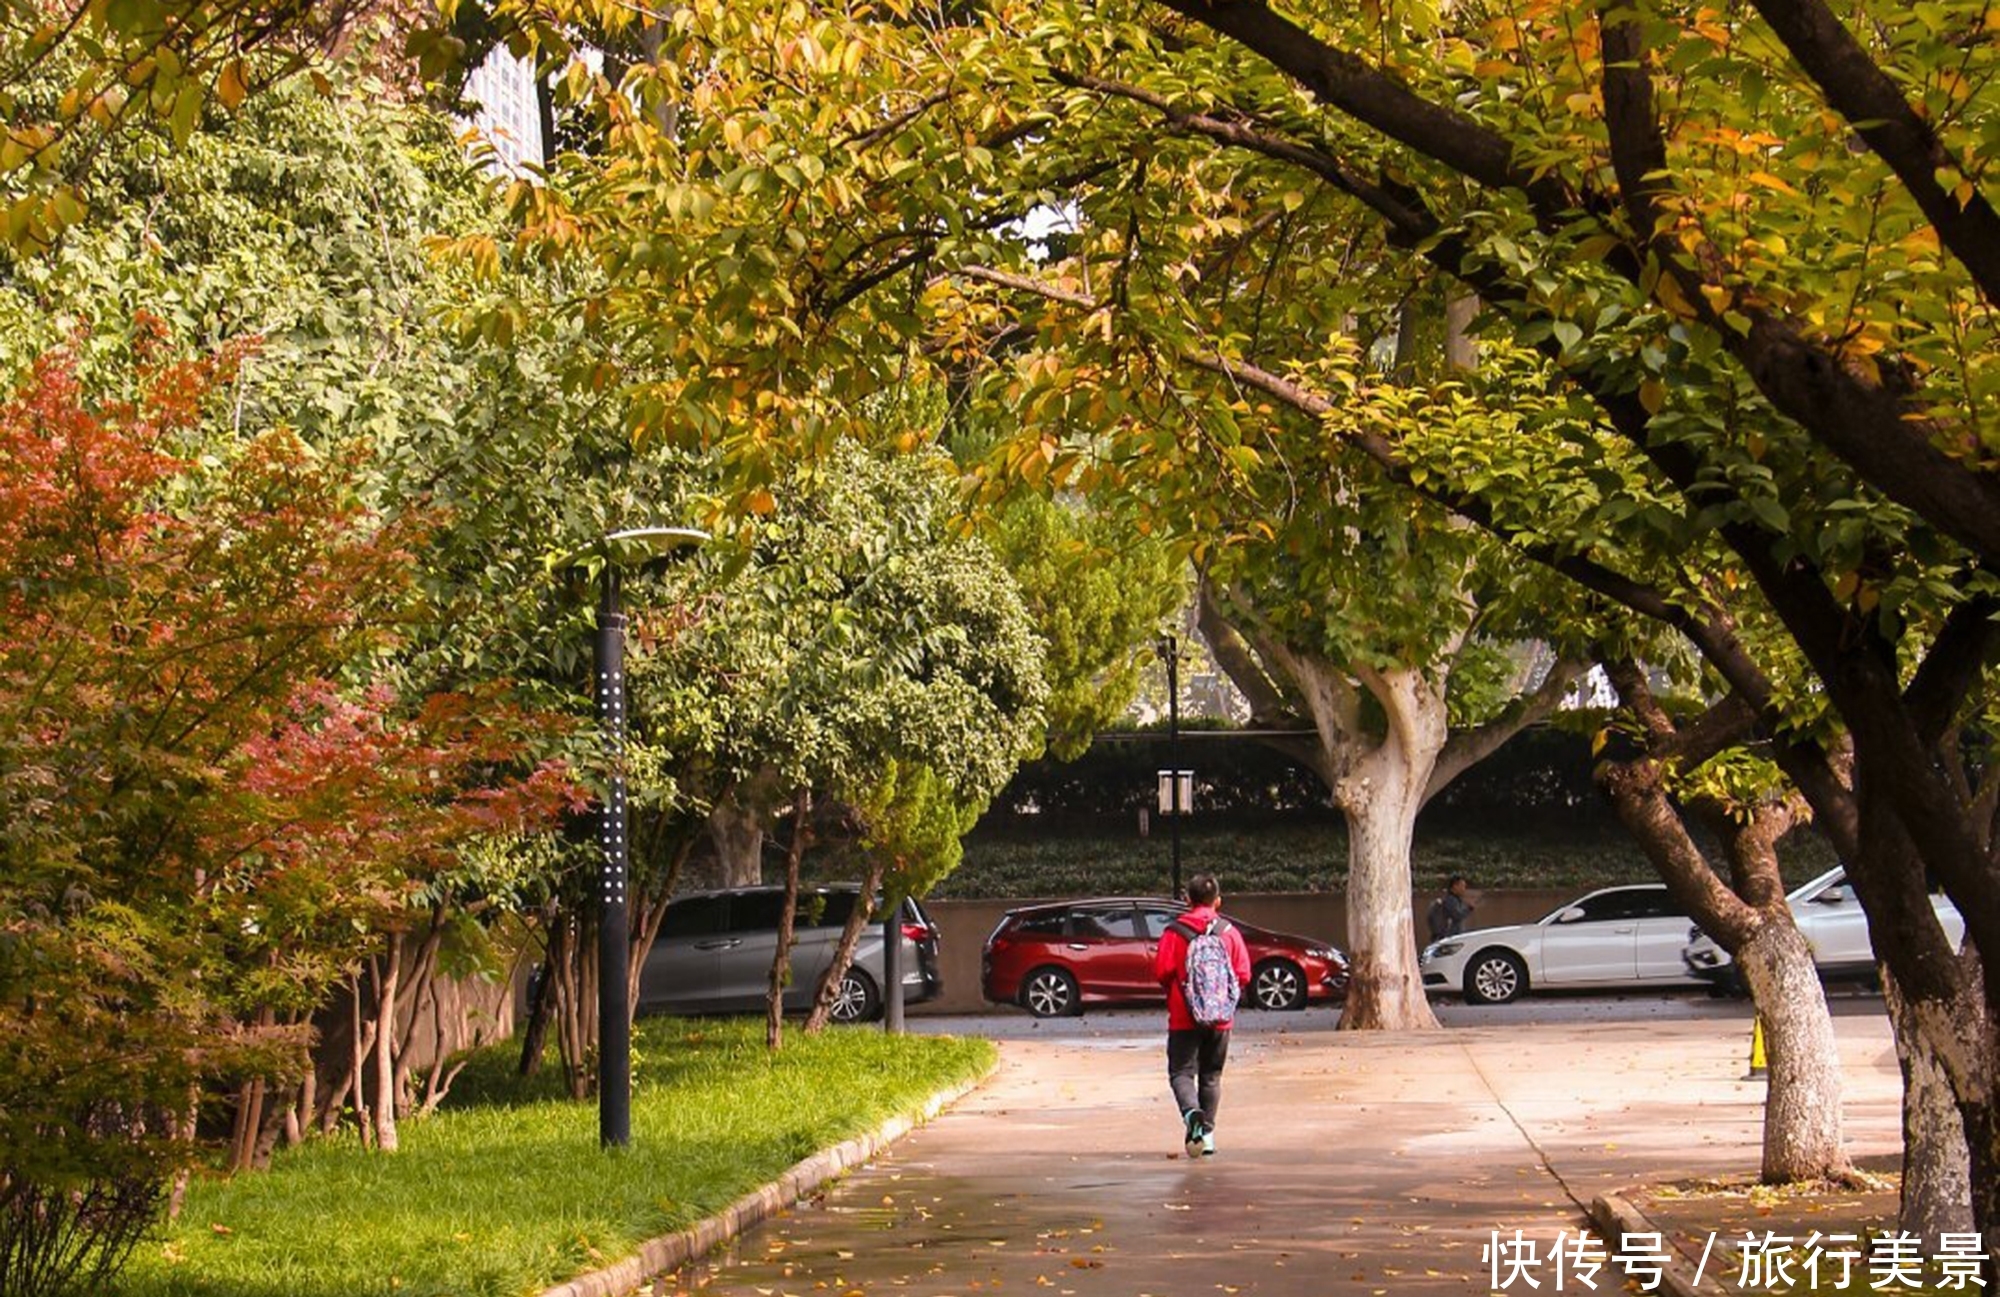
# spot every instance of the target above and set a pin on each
(1437, 920)
(1208, 979)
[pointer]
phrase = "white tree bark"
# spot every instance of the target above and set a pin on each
(1803, 1136)
(1937, 1176)
(1380, 796)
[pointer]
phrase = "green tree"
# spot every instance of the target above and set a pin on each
(202, 834)
(1661, 202)
(1099, 590)
(862, 652)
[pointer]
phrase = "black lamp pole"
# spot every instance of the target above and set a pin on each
(892, 971)
(1170, 649)
(614, 954)
(614, 1020)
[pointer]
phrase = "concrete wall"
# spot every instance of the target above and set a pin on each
(965, 925)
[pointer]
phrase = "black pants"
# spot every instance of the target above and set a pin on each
(1194, 1068)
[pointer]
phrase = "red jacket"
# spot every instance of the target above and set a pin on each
(1170, 964)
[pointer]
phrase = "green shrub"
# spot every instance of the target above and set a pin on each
(1309, 858)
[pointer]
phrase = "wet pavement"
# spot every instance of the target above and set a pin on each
(1348, 1163)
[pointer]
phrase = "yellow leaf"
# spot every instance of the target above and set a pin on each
(233, 84)
(1668, 291)
(1769, 181)
(1652, 395)
(760, 501)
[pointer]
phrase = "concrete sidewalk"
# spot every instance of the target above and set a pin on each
(1362, 1163)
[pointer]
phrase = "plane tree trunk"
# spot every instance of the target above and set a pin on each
(1379, 775)
(1380, 796)
(1803, 1133)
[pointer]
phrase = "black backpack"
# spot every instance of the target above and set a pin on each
(1437, 920)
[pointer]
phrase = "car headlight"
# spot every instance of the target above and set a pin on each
(1439, 949)
(1323, 952)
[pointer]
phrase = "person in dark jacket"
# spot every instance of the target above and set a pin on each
(1196, 1052)
(1449, 912)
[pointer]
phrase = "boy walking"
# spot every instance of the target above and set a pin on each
(1204, 964)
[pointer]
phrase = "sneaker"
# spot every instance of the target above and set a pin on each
(1207, 1142)
(1197, 1131)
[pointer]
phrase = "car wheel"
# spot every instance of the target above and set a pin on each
(857, 1000)
(1278, 984)
(1050, 993)
(1495, 977)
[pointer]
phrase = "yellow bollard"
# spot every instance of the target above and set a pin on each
(1757, 1059)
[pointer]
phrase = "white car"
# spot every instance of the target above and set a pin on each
(1617, 936)
(1831, 920)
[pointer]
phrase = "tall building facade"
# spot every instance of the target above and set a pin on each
(509, 119)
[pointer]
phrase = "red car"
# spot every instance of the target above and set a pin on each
(1052, 959)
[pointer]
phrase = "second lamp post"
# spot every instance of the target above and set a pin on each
(1176, 784)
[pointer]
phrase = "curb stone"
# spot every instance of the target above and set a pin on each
(669, 1252)
(1614, 1215)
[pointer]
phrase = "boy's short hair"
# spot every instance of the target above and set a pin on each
(1202, 889)
(1456, 879)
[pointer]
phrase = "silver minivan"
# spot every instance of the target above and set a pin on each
(714, 953)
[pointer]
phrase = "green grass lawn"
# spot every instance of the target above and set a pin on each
(505, 1191)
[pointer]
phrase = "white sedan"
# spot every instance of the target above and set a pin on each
(1618, 936)
(1830, 918)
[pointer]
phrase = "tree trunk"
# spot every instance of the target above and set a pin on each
(843, 951)
(249, 1119)
(650, 914)
(357, 1065)
(419, 991)
(541, 1004)
(1937, 1185)
(781, 962)
(576, 1003)
(185, 1126)
(385, 1046)
(1803, 1137)
(738, 834)
(1459, 309)
(1945, 1024)
(1803, 1133)
(1380, 797)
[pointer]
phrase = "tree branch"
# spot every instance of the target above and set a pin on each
(1869, 99)
(1467, 748)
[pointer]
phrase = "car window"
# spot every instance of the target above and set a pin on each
(756, 911)
(1119, 923)
(1154, 922)
(695, 916)
(1630, 903)
(1042, 925)
(825, 909)
(1657, 905)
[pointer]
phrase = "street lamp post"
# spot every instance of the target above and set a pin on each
(614, 553)
(1170, 650)
(892, 971)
